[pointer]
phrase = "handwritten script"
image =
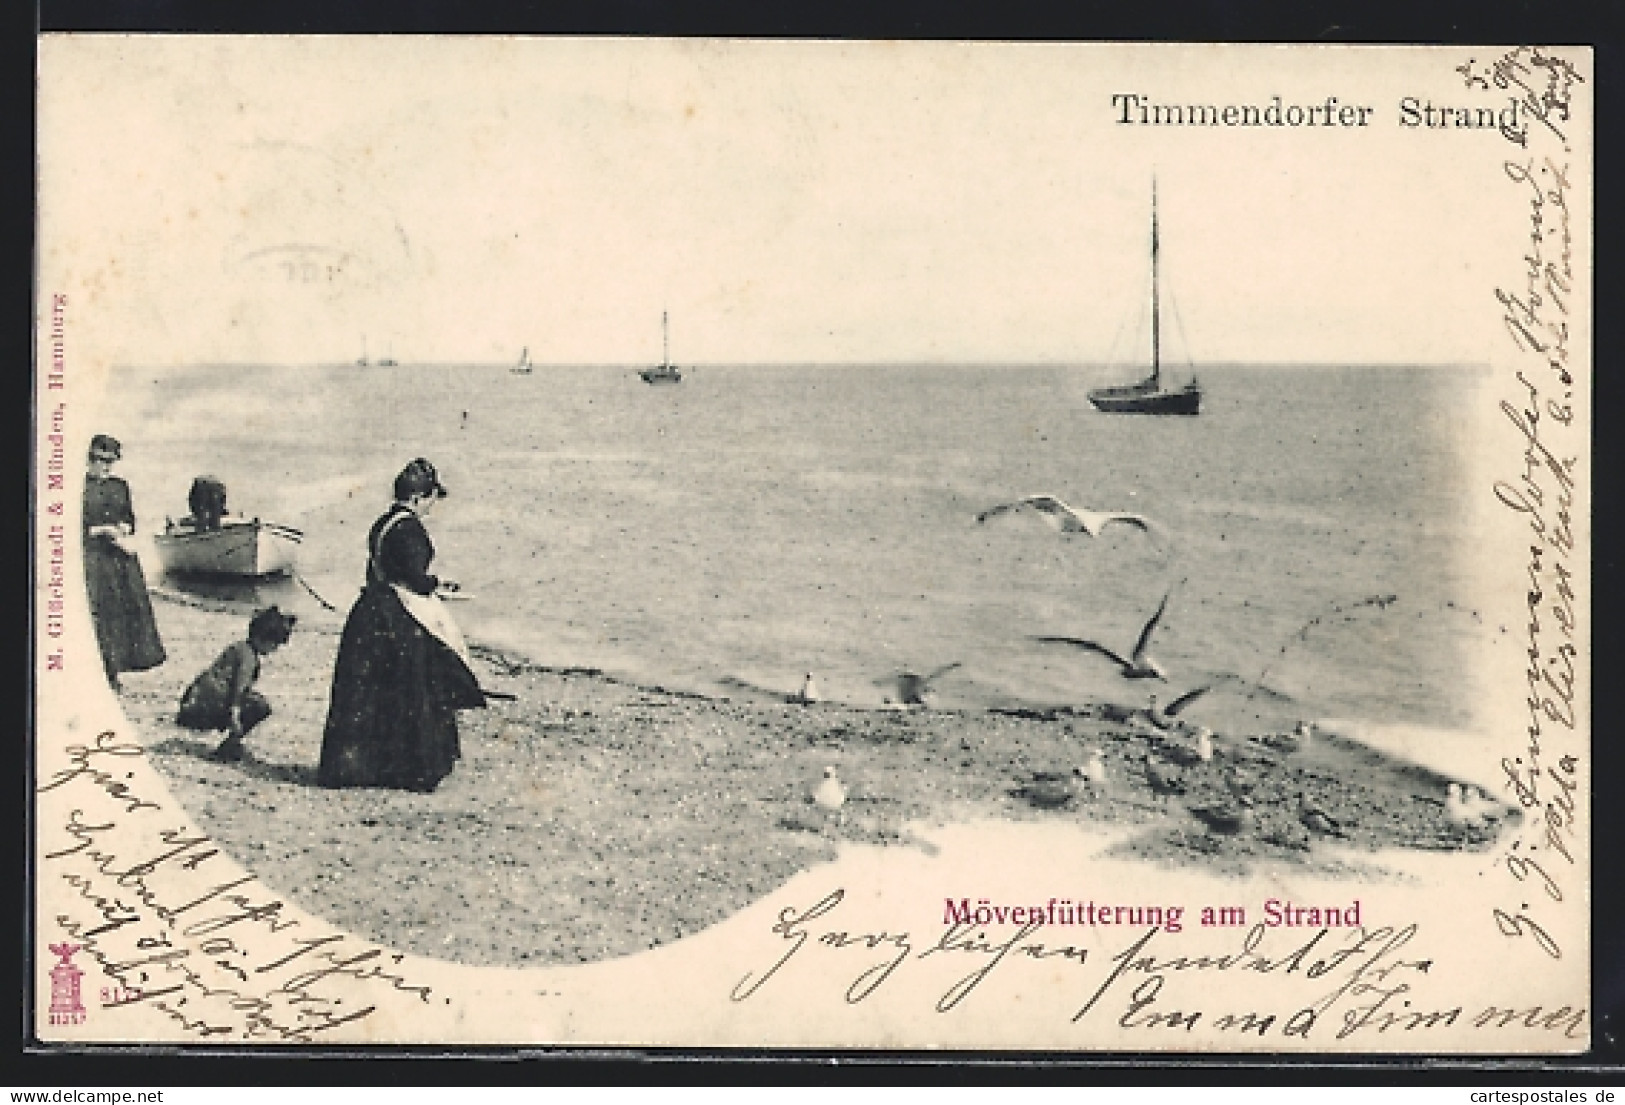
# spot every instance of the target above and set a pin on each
(1544, 489)
(222, 961)
(1543, 82)
(1360, 982)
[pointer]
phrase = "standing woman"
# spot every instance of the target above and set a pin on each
(402, 671)
(119, 607)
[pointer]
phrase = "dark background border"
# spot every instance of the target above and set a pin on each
(1455, 21)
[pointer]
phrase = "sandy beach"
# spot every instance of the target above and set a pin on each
(593, 818)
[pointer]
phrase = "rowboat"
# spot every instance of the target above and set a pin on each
(240, 547)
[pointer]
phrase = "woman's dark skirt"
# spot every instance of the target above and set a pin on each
(392, 718)
(126, 632)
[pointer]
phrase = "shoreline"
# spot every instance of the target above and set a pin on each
(597, 817)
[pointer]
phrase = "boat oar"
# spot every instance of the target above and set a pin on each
(313, 593)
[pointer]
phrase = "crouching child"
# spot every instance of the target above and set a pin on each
(223, 696)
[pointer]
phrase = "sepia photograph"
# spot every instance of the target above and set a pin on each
(715, 543)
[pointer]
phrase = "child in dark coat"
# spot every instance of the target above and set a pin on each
(223, 696)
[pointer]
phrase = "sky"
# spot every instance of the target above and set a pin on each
(300, 200)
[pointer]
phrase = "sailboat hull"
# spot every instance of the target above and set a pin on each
(1147, 398)
(665, 372)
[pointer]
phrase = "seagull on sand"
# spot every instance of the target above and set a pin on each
(1318, 821)
(1139, 665)
(1203, 746)
(1468, 805)
(830, 794)
(1288, 743)
(1068, 519)
(1164, 778)
(1050, 790)
(1094, 768)
(1227, 820)
(1240, 783)
(808, 693)
(1191, 753)
(1458, 809)
(913, 687)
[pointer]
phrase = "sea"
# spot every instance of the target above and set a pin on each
(731, 534)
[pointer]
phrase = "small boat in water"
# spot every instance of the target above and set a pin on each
(1150, 396)
(665, 372)
(244, 547)
(523, 368)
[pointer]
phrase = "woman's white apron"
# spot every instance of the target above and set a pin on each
(427, 610)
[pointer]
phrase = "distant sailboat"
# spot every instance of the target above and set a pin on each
(665, 372)
(523, 368)
(1149, 396)
(361, 361)
(388, 360)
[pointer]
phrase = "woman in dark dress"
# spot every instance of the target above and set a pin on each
(401, 676)
(126, 633)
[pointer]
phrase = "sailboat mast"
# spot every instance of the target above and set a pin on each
(1156, 298)
(665, 341)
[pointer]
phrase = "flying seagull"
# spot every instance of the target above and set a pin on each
(1167, 717)
(910, 686)
(1139, 665)
(1066, 518)
(913, 687)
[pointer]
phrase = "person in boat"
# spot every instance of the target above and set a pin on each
(402, 671)
(207, 501)
(120, 609)
(223, 696)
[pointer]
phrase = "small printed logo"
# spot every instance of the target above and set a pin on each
(67, 1006)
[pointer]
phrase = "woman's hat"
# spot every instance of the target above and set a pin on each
(272, 624)
(419, 478)
(104, 446)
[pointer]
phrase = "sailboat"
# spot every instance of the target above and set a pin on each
(361, 361)
(665, 372)
(523, 368)
(1149, 396)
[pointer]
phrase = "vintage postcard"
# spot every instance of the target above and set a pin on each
(708, 543)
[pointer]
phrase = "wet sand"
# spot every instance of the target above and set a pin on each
(593, 818)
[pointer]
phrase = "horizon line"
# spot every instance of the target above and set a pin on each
(538, 366)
